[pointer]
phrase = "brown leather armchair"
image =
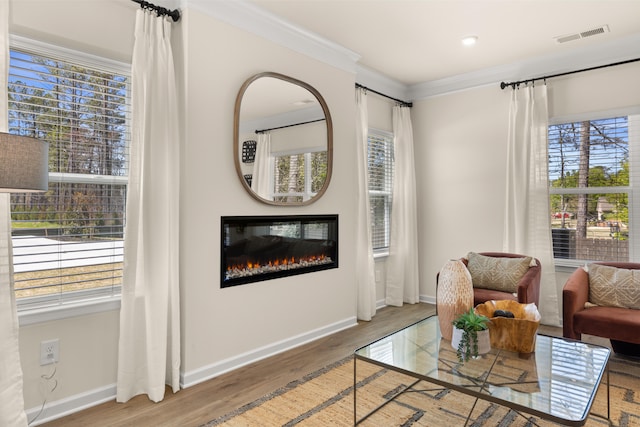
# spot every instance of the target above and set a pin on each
(619, 324)
(528, 285)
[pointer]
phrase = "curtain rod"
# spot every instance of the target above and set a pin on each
(288, 126)
(404, 103)
(161, 11)
(513, 85)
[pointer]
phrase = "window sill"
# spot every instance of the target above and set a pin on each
(380, 254)
(568, 265)
(64, 311)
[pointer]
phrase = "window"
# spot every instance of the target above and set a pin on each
(380, 164)
(591, 193)
(68, 242)
(299, 176)
(301, 230)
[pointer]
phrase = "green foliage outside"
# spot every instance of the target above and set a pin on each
(82, 114)
(31, 224)
(588, 155)
(291, 174)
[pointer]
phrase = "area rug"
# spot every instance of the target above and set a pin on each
(325, 398)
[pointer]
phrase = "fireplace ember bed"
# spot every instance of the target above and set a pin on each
(257, 248)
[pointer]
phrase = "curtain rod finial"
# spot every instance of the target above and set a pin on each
(175, 15)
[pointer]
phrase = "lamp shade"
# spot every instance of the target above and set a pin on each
(24, 164)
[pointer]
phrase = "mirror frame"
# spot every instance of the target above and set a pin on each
(236, 137)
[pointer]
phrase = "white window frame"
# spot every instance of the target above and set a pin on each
(307, 194)
(633, 190)
(383, 251)
(89, 301)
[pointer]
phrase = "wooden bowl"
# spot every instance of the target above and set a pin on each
(514, 334)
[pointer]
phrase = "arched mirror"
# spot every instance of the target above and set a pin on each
(283, 140)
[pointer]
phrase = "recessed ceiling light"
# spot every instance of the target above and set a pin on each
(469, 40)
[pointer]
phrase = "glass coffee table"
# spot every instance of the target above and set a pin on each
(561, 377)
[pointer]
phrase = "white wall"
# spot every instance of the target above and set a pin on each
(221, 328)
(296, 139)
(460, 148)
(98, 27)
(595, 91)
(309, 136)
(380, 111)
(222, 324)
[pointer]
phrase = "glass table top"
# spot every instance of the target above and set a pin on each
(558, 381)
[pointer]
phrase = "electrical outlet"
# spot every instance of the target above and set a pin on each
(49, 352)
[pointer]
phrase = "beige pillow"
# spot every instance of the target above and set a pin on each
(614, 287)
(499, 274)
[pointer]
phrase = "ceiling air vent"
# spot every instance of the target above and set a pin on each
(581, 35)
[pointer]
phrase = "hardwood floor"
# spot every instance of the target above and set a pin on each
(203, 402)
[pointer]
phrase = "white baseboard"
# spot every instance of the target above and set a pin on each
(423, 298)
(78, 402)
(71, 404)
(196, 376)
(428, 299)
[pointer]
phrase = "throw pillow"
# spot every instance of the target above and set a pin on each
(497, 273)
(614, 287)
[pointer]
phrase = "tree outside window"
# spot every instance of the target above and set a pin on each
(68, 242)
(589, 164)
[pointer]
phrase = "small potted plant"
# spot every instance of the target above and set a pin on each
(471, 335)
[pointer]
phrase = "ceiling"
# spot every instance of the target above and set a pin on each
(418, 41)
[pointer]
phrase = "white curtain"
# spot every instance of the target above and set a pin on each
(527, 228)
(365, 273)
(402, 265)
(261, 180)
(11, 397)
(149, 348)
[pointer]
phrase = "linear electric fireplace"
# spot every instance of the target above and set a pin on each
(256, 248)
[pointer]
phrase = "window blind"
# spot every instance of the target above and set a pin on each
(380, 169)
(68, 242)
(591, 163)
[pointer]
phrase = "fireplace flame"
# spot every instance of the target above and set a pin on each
(252, 268)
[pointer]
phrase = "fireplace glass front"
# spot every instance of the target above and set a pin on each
(256, 248)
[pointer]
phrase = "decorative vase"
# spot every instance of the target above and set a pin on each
(454, 295)
(484, 340)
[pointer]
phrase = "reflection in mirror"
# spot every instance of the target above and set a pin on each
(282, 140)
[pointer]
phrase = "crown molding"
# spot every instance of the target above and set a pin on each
(251, 18)
(576, 59)
(71, 55)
